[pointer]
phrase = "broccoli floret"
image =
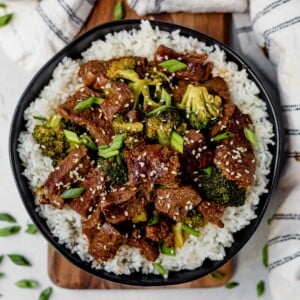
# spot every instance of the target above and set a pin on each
(121, 125)
(194, 219)
(201, 108)
(125, 63)
(215, 187)
(138, 86)
(160, 126)
(115, 169)
(51, 138)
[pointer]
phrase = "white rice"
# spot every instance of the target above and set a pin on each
(65, 224)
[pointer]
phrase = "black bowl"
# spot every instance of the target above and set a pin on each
(42, 78)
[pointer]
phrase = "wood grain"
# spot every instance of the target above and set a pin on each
(61, 271)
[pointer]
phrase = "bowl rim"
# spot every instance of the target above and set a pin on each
(37, 84)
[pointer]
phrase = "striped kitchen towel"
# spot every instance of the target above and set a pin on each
(274, 26)
(39, 29)
(143, 7)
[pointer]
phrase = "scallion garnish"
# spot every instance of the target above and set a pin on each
(251, 136)
(86, 140)
(168, 250)
(222, 136)
(190, 230)
(207, 171)
(7, 231)
(217, 275)
(4, 20)
(7, 218)
(113, 149)
(232, 285)
(40, 118)
(177, 141)
(19, 260)
(2, 275)
(88, 103)
(260, 288)
(173, 65)
(160, 269)
(46, 293)
(154, 220)
(3, 5)
(72, 137)
(118, 11)
(165, 97)
(27, 284)
(54, 121)
(72, 193)
(265, 256)
(31, 229)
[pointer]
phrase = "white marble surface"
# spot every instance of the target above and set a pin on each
(249, 268)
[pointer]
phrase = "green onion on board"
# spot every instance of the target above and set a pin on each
(5, 19)
(72, 193)
(160, 269)
(189, 230)
(173, 65)
(118, 11)
(260, 288)
(19, 260)
(3, 5)
(46, 293)
(1, 258)
(7, 218)
(232, 285)
(265, 256)
(2, 275)
(27, 284)
(7, 231)
(31, 229)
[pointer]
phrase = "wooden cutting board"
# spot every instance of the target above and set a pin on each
(62, 272)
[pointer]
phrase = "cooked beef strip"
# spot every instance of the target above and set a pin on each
(212, 212)
(92, 223)
(196, 70)
(161, 231)
(72, 169)
(218, 86)
(91, 118)
(105, 242)
(125, 202)
(176, 202)
(119, 100)
(94, 184)
(153, 163)
(93, 74)
(141, 64)
(196, 154)
(236, 160)
(179, 90)
(148, 250)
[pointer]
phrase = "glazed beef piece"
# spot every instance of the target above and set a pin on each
(212, 212)
(236, 160)
(92, 223)
(94, 184)
(70, 171)
(196, 70)
(148, 250)
(119, 100)
(125, 202)
(141, 65)
(153, 163)
(161, 232)
(218, 86)
(176, 202)
(196, 154)
(91, 118)
(105, 242)
(93, 74)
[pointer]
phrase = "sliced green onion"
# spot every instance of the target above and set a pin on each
(190, 230)
(118, 11)
(3, 5)
(109, 153)
(4, 20)
(251, 136)
(173, 65)
(31, 229)
(157, 110)
(177, 141)
(265, 256)
(207, 171)
(86, 140)
(72, 137)
(165, 97)
(154, 220)
(260, 288)
(27, 284)
(7, 231)
(1, 258)
(40, 118)
(217, 275)
(117, 141)
(7, 218)
(2, 275)
(88, 103)
(160, 269)
(168, 250)
(232, 285)
(72, 193)
(113, 149)
(222, 136)
(46, 293)
(19, 260)
(54, 121)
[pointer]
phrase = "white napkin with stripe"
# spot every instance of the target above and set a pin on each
(39, 29)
